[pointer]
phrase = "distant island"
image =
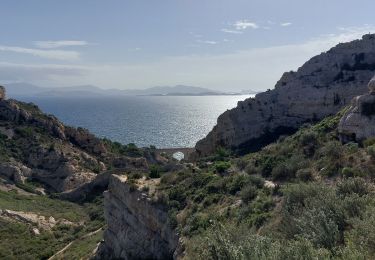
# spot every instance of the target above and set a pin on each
(26, 90)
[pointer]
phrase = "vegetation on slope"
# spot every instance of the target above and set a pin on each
(18, 241)
(305, 197)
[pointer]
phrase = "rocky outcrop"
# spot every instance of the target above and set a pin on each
(45, 223)
(358, 123)
(321, 87)
(137, 227)
(14, 171)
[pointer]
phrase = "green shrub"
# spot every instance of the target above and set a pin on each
(248, 193)
(154, 172)
(371, 151)
(282, 171)
(222, 153)
(307, 138)
(235, 183)
(362, 236)
(304, 175)
(222, 166)
(369, 142)
(353, 185)
(348, 172)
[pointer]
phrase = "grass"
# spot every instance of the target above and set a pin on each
(19, 242)
(42, 205)
(82, 248)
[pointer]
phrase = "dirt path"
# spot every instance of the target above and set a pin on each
(68, 245)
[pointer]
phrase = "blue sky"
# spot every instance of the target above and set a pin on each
(219, 44)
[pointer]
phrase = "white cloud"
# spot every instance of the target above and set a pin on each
(49, 54)
(207, 42)
(244, 24)
(59, 44)
(231, 31)
(286, 24)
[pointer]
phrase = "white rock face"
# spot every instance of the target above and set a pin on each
(358, 123)
(321, 87)
(137, 228)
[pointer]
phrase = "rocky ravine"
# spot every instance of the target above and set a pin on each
(321, 87)
(137, 227)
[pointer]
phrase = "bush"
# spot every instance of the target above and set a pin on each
(353, 185)
(222, 153)
(371, 151)
(348, 172)
(363, 233)
(307, 138)
(236, 183)
(283, 171)
(223, 242)
(304, 175)
(154, 172)
(248, 193)
(222, 166)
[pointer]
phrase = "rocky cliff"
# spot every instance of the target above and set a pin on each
(321, 87)
(137, 227)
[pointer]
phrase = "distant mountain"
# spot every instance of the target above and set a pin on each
(166, 90)
(25, 90)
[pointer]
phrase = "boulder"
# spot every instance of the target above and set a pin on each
(358, 123)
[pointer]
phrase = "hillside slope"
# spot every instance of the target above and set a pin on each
(36, 146)
(321, 87)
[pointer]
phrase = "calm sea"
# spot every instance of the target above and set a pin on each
(165, 122)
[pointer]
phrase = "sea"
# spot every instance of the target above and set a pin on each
(162, 121)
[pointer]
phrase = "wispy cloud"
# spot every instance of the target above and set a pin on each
(231, 31)
(48, 54)
(59, 44)
(286, 24)
(207, 42)
(196, 35)
(244, 24)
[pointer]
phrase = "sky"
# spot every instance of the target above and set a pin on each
(226, 45)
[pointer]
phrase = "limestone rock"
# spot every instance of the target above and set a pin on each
(15, 172)
(358, 123)
(137, 228)
(45, 223)
(321, 87)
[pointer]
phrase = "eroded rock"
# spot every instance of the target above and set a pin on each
(321, 87)
(358, 123)
(137, 228)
